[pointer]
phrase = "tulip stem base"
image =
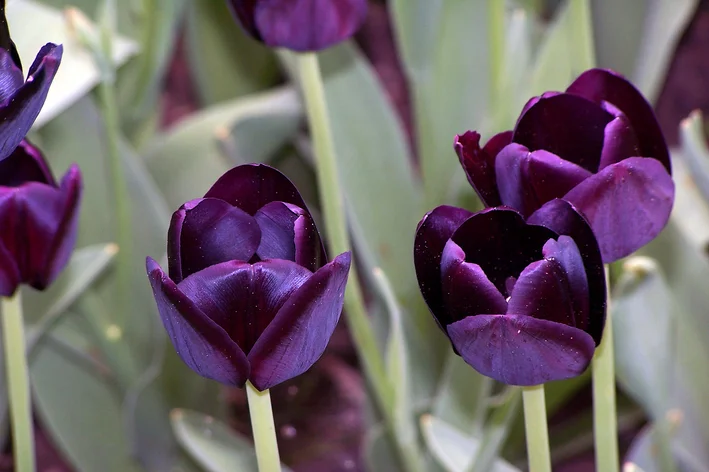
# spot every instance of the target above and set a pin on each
(18, 384)
(605, 418)
(264, 429)
(536, 430)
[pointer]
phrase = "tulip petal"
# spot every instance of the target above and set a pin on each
(466, 289)
(10, 276)
(432, 234)
(527, 180)
(479, 165)
(542, 291)
(212, 231)
(244, 298)
(599, 85)
(501, 243)
(627, 204)
(17, 117)
(288, 232)
(243, 11)
(522, 350)
(562, 218)
(201, 344)
(307, 25)
(619, 141)
(301, 330)
(68, 226)
(25, 164)
(566, 125)
(566, 253)
(252, 186)
(11, 78)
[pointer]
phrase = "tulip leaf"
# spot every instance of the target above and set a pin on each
(378, 450)
(696, 151)
(226, 62)
(85, 266)
(186, 160)
(212, 444)
(79, 407)
(454, 449)
(446, 54)
(34, 24)
(565, 51)
(643, 454)
(637, 38)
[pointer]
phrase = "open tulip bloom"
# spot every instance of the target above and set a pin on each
(300, 25)
(21, 100)
(248, 296)
(40, 217)
(522, 301)
(598, 145)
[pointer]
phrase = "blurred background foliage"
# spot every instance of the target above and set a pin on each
(196, 97)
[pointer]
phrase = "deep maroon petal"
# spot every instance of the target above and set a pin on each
(244, 298)
(627, 204)
(213, 231)
(542, 291)
(288, 232)
(307, 25)
(11, 78)
(432, 234)
(495, 144)
(252, 186)
(619, 140)
(25, 164)
(527, 180)
(466, 289)
(479, 167)
(533, 101)
(17, 117)
(10, 276)
(299, 333)
(67, 229)
(243, 11)
(567, 255)
(522, 350)
(566, 125)
(562, 218)
(204, 346)
(501, 243)
(600, 85)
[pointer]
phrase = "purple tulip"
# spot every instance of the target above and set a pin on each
(598, 145)
(522, 301)
(40, 218)
(20, 99)
(300, 25)
(248, 296)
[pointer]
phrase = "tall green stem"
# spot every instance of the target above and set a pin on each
(536, 430)
(605, 417)
(18, 384)
(335, 225)
(264, 429)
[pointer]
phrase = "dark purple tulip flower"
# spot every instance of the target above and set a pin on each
(522, 301)
(39, 217)
(598, 145)
(20, 99)
(300, 25)
(248, 295)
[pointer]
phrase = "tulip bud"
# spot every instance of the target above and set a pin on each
(248, 295)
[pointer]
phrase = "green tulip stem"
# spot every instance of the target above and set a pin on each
(264, 429)
(333, 209)
(18, 384)
(605, 418)
(536, 430)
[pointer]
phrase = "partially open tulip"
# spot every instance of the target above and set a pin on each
(20, 99)
(39, 217)
(247, 296)
(598, 145)
(300, 25)
(522, 301)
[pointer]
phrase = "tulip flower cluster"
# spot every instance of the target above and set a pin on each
(41, 215)
(584, 178)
